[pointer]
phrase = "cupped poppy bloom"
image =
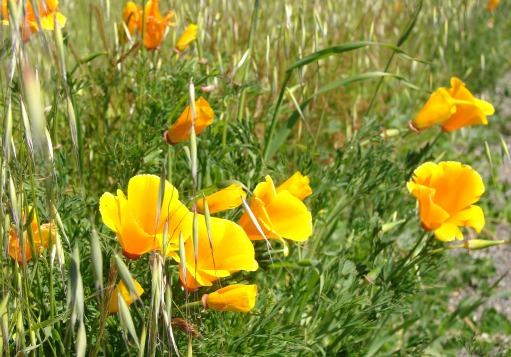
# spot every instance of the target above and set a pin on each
(132, 16)
(280, 211)
(155, 24)
(42, 235)
(227, 198)
(453, 108)
(48, 14)
(446, 193)
(121, 289)
(180, 130)
(229, 251)
(187, 37)
(235, 297)
(492, 4)
(138, 222)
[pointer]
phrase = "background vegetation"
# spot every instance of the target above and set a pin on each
(366, 283)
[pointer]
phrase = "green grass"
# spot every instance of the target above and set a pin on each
(355, 287)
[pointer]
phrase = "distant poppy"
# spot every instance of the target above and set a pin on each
(187, 37)
(180, 130)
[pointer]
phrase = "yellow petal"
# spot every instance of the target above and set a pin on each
(227, 198)
(437, 109)
(472, 216)
(110, 211)
(448, 232)
(180, 130)
(236, 297)
(492, 4)
(125, 293)
(297, 185)
(187, 37)
(131, 16)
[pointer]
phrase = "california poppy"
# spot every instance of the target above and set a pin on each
(42, 235)
(121, 289)
(180, 130)
(227, 198)
(229, 251)
(235, 297)
(187, 37)
(446, 193)
(453, 108)
(136, 219)
(280, 211)
(48, 13)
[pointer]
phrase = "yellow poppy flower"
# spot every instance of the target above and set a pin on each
(492, 4)
(47, 15)
(180, 130)
(280, 212)
(41, 235)
(454, 108)
(155, 24)
(446, 193)
(228, 252)
(113, 304)
(187, 37)
(131, 15)
(297, 185)
(227, 198)
(133, 218)
(236, 297)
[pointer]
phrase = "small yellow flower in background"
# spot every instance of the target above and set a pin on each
(492, 4)
(230, 251)
(113, 304)
(41, 234)
(446, 193)
(47, 15)
(180, 130)
(236, 297)
(132, 15)
(155, 24)
(280, 211)
(453, 108)
(187, 37)
(133, 218)
(227, 198)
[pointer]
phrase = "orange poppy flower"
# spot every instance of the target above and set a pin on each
(41, 234)
(492, 4)
(229, 251)
(47, 15)
(180, 130)
(446, 193)
(132, 16)
(453, 108)
(280, 211)
(227, 198)
(133, 218)
(155, 24)
(235, 297)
